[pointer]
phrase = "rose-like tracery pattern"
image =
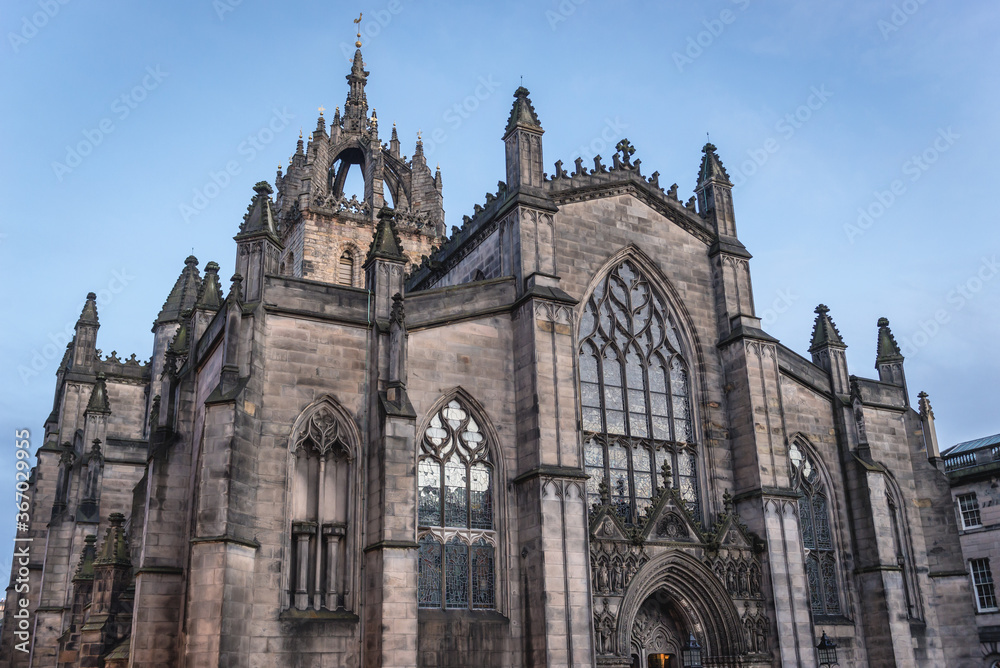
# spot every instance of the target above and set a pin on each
(456, 513)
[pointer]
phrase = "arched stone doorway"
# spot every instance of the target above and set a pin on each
(673, 595)
(658, 631)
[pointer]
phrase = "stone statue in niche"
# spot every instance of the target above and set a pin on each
(754, 580)
(602, 578)
(630, 571)
(761, 636)
(616, 577)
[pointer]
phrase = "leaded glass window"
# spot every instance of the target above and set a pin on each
(817, 539)
(635, 396)
(455, 514)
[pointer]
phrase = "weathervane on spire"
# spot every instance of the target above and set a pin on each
(358, 21)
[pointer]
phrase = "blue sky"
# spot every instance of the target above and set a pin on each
(861, 135)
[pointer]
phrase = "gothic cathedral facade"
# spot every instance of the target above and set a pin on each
(557, 437)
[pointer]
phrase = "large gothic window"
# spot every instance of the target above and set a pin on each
(635, 395)
(455, 514)
(321, 511)
(817, 539)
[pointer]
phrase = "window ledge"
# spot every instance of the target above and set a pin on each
(832, 620)
(317, 615)
(436, 614)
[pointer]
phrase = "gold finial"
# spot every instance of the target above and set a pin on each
(279, 165)
(358, 21)
(439, 167)
(418, 135)
(321, 110)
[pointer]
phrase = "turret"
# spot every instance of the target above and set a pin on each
(85, 341)
(829, 351)
(181, 297)
(889, 359)
(257, 245)
(523, 144)
(384, 264)
(209, 301)
(715, 193)
(394, 143)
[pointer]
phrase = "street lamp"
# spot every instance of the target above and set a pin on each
(691, 653)
(827, 650)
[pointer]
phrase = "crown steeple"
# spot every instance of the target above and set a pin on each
(356, 106)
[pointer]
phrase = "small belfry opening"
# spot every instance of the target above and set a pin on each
(347, 175)
(345, 269)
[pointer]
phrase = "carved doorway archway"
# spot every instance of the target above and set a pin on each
(657, 631)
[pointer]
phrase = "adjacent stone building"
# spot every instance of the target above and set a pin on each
(973, 470)
(557, 437)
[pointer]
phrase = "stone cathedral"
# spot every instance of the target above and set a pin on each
(556, 437)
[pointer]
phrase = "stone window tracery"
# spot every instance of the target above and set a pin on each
(817, 539)
(321, 492)
(635, 395)
(456, 514)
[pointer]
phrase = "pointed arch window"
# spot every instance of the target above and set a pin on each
(817, 538)
(345, 269)
(635, 395)
(320, 572)
(456, 514)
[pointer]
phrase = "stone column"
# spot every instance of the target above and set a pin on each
(303, 533)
